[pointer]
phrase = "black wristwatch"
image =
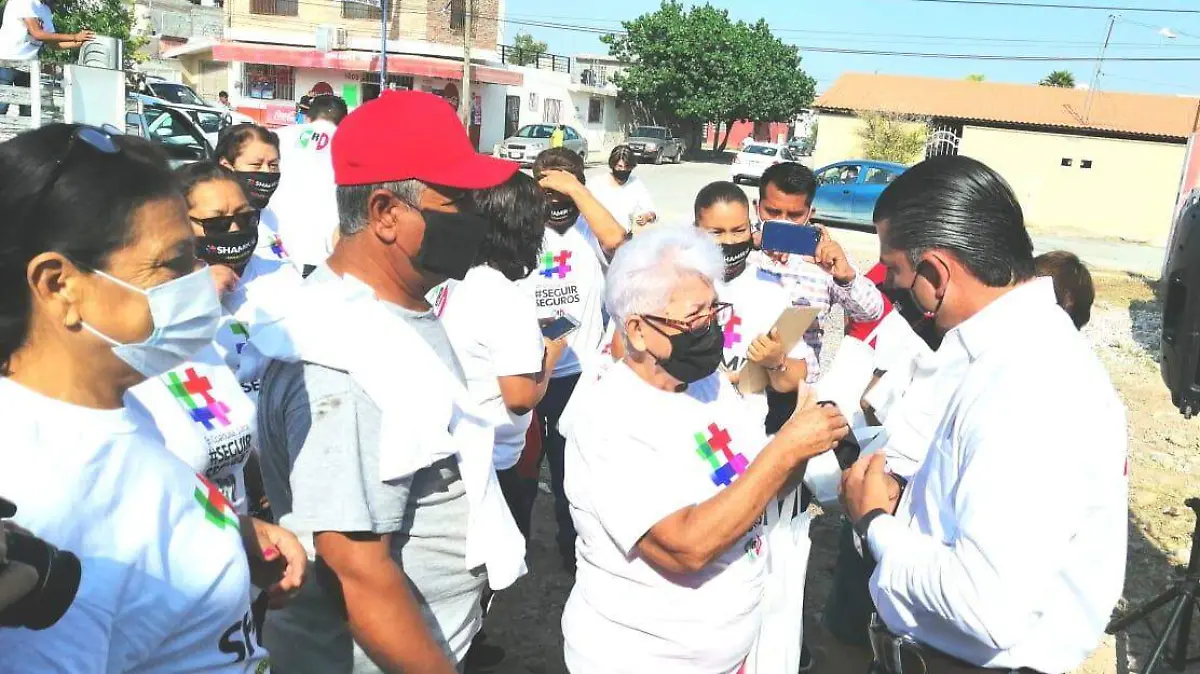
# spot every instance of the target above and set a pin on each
(864, 522)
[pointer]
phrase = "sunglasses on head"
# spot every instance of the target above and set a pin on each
(220, 224)
(99, 139)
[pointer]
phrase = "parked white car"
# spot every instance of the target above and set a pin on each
(753, 159)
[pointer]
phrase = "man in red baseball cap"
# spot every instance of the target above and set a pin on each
(402, 164)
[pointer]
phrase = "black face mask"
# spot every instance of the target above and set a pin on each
(622, 176)
(563, 212)
(451, 243)
(232, 249)
(735, 257)
(695, 354)
(260, 185)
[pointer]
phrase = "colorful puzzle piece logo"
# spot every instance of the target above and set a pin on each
(242, 333)
(216, 507)
(277, 247)
(730, 329)
(556, 265)
(716, 450)
(209, 410)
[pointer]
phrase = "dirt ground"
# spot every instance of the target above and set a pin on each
(1164, 453)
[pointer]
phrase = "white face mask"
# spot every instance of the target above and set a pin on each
(186, 313)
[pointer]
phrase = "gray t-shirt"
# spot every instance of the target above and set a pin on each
(319, 439)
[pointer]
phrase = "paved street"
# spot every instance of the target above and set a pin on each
(674, 188)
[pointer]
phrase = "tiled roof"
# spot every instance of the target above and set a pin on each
(1021, 104)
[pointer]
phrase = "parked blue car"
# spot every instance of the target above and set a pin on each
(847, 191)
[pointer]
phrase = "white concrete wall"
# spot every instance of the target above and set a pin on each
(601, 136)
(1128, 192)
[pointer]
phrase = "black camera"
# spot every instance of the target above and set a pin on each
(58, 574)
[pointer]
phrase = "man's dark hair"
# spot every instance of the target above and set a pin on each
(720, 192)
(961, 206)
(327, 107)
(223, 94)
(558, 158)
(621, 153)
(1072, 284)
(517, 210)
(791, 178)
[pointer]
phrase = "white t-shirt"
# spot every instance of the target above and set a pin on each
(493, 328)
(758, 299)
(203, 416)
(305, 204)
(264, 286)
(16, 44)
(569, 279)
(623, 201)
(165, 586)
(634, 455)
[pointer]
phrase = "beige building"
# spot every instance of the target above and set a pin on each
(272, 52)
(1105, 165)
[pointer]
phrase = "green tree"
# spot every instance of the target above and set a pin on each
(688, 67)
(1059, 78)
(526, 49)
(976, 77)
(112, 18)
(891, 137)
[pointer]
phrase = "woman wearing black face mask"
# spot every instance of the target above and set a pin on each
(668, 475)
(252, 152)
(623, 194)
(249, 276)
(723, 211)
(226, 229)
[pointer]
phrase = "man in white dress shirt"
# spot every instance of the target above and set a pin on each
(1006, 551)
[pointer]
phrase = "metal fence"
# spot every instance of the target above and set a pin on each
(539, 60)
(24, 103)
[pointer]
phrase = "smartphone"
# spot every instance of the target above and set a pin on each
(786, 237)
(560, 327)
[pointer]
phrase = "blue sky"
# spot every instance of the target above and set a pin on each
(916, 26)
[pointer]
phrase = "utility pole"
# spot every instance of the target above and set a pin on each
(1095, 83)
(383, 73)
(464, 101)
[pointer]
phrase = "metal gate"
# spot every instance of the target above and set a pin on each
(944, 140)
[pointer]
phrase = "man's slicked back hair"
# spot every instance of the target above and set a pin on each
(959, 205)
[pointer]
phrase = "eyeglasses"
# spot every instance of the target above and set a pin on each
(220, 224)
(720, 312)
(99, 139)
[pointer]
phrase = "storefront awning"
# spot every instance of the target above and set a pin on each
(305, 57)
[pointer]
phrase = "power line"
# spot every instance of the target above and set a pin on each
(1055, 5)
(843, 50)
(1002, 57)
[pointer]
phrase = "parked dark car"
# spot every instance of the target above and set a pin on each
(847, 191)
(656, 144)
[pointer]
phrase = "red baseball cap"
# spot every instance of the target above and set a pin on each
(411, 135)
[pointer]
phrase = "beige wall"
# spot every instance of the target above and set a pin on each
(1129, 192)
(837, 139)
(413, 20)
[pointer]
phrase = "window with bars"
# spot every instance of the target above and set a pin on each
(595, 111)
(351, 9)
(458, 16)
(275, 7)
(270, 82)
(551, 110)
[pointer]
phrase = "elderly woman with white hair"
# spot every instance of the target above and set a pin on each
(668, 476)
